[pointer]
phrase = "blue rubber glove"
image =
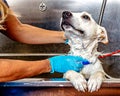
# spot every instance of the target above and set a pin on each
(63, 63)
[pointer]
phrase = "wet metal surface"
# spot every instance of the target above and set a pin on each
(53, 82)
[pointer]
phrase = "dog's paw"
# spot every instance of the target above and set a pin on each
(94, 82)
(79, 83)
(77, 80)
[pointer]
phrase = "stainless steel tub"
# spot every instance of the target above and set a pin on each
(53, 85)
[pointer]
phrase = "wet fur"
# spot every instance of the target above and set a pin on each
(83, 35)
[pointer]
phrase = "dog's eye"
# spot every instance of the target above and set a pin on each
(86, 17)
(80, 31)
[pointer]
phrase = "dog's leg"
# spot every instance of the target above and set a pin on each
(77, 79)
(95, 81)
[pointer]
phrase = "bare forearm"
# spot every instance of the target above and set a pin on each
(17, 69)
(30, 34)
(34, 35)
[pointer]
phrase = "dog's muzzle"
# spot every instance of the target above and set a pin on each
(66, 16)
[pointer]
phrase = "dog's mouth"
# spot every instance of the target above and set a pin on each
(66, 24)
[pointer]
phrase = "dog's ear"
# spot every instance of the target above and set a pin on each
(102, 35)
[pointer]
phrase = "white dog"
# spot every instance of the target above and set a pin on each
(84, 34)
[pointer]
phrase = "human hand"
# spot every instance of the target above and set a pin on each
(63, 63)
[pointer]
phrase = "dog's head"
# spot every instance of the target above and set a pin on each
(82, 25)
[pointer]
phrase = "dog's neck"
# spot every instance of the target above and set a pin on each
(85, 48)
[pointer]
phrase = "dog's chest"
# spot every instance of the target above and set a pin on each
(91, 68)
(78, 49)
(84, 48)
(88, 50)
(86, 71)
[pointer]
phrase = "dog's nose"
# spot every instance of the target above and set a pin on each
(66, 14)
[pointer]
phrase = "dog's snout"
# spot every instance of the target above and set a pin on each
(66, 14)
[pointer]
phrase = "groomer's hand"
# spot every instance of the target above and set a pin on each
(63, 63)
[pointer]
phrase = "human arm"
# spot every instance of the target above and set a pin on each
(17, 69)
(30, 34)
(63, 63)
